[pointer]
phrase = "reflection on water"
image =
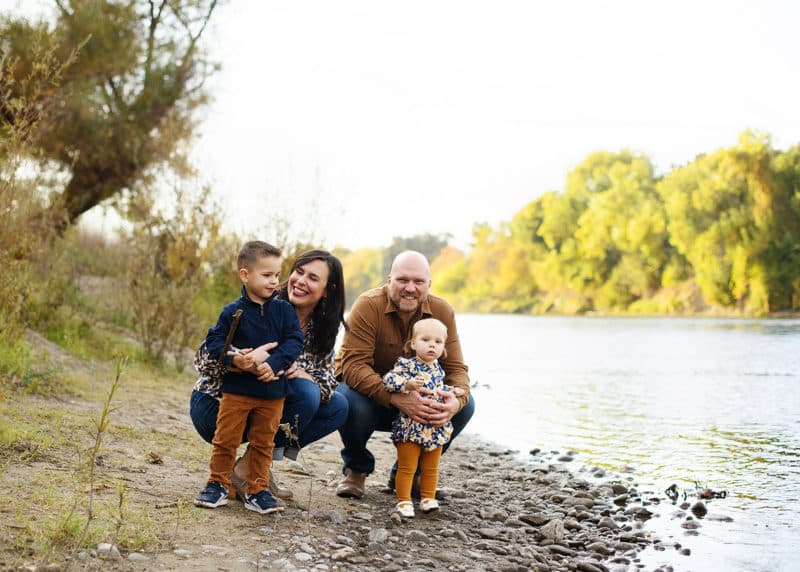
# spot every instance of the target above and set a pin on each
(708, 401)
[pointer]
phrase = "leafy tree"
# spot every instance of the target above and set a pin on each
(622, 233)
(362, 271)
(25, 258)
(428, 244)
(449, 274)
(125, 105)
(730, 215)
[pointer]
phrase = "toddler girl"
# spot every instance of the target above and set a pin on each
(419, 443)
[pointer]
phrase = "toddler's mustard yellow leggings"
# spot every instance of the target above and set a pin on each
(408, 455)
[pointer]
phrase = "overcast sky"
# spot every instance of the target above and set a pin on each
(379, 119)
(373, 119)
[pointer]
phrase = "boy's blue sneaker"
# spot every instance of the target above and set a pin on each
(214, 495)
(262, 502)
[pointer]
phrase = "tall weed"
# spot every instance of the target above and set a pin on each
(167, 265)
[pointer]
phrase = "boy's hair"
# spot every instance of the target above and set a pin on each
(415, 331)
(253, 250)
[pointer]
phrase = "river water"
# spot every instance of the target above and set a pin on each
(665, 401)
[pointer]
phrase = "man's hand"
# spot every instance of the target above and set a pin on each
(264, 372)
(448, 408)
(245, 362)
(420, 408)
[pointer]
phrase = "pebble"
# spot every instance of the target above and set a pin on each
(378, 535)
(108, 551)
(553, 530)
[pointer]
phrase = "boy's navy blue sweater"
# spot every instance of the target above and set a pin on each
(273, 321)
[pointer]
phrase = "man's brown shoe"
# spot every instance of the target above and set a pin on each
(352, 485)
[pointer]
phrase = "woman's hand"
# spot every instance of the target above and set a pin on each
(294, 372)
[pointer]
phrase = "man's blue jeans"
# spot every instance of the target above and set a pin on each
(366, 416)
(302, 410)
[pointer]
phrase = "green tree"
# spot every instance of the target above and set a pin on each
(126, 104)
(362, 271)
(26, 259)
(622, 233)
(428, 244)
(731, 215)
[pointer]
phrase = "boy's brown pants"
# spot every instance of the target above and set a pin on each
(265, 415)
(408, 455)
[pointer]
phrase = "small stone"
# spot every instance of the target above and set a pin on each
(562, 550)
(619, 489)
(579, 501)
(534, 519)
(639, 512)
(719, 518)
(489, 532)
(608, 522)
(107, 551)
(553, 530)
(138, 557)
(378, 535)
(600, 548)
(488, 513)
(342, 553)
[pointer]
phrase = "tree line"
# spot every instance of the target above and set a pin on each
(720, 234)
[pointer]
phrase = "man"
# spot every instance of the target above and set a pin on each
(379, 325)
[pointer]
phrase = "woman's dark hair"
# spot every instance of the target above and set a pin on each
(329, 311)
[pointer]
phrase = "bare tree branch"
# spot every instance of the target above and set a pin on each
(63, 8)
(155, 19)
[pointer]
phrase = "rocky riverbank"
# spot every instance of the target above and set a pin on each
(500, 514)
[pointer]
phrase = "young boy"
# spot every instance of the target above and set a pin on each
(244, 398)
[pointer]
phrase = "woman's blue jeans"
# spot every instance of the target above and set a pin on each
(309, 419)
(366, 416)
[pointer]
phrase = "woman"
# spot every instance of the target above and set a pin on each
(312, 409)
